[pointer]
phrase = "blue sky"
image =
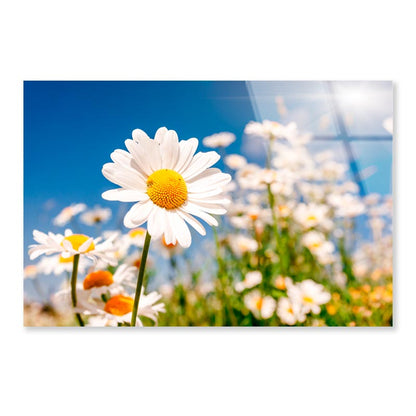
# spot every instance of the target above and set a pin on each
(71, 127)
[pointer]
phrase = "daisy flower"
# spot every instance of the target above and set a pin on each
(317, 244)
(96, 216)
(241, 244)
(223, 139)
(261, 306)
(290, 312)
(66, 215)
(235, 161)
(101, 281)
(270, 129)
(169, 183)
(309, 294)
(71, 244)
(311, 215)
(250, 280)
(118, 308)
(347, 205)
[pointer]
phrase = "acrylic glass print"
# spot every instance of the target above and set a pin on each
(208, 203)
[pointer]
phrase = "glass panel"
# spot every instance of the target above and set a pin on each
(375, 163)
(304, 102)
(364, 105)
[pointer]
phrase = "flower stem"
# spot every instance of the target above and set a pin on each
(223, 282)
(74, 287)
(140, 279)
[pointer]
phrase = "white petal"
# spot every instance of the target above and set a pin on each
(206, 194)
(84, 246)
(141, 156)
(169, 150)
(67, 245)
(187, 151)
(208, 180)
(126, 178)
(125, 160)
(156, 224)
(138, 214)
(200, 162)
(192, 221)
(211, 201)
(124, 195)
(169, 234)
(181, 230)
(160, 134)
(211, 208)
(138, 135)
(194, 209)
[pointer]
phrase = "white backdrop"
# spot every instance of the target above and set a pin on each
(195, 371)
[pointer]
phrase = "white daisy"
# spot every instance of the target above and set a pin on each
(101, 281)
(317, 244)
(309, 294)
(261, 306)
(109, 302)
(96, 216)
(290, 312)
(310, 215)
(119, 307)
(223, 139)
(66, 215)
(70, 244)
(346, 205)
(235, 161)
(170, 183)
(241, 244)
(251, 279)
(269, 129)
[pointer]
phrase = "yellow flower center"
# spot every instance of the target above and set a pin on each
(137, 232)
(66, 260)
(77, 240)
(307, 299)
(119, 305)
(98, 279)
(167, 189)
(259, 303)
(311, 218)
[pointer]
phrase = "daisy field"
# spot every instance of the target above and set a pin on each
(208, 203)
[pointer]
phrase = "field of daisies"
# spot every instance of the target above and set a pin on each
(290, 243)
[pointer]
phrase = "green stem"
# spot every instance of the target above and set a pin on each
(74, 287)
(269, 154)
(222, 280)
(274, 217)
(140, 279)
